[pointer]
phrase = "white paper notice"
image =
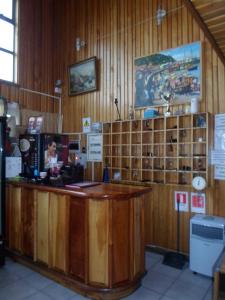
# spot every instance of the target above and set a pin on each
(182, 198)
(94, 147)
(220, 132)
(198, 203)
(86, 125)
(13, 166)
(219, 172)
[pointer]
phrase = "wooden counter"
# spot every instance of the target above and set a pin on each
(90, 239)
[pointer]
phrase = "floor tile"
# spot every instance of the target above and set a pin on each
(197, 279)
(155, 255)
(7, 278)
(18, 269)
(143, 294)
(151, 261)
(38, 281)
(209, 294)
(181, 290)
(157, 282)
(79, 297)
(38, 296)
(166, 270)
(58, 292)
(17, 291)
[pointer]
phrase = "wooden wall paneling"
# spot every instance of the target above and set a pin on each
(209, 79)
(214, 99)
(42, 226)
(58, 232)
(221, 87)
(98, 241)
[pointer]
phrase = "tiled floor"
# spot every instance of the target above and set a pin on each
(161, 282)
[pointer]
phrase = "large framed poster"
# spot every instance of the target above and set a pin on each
(174, 72)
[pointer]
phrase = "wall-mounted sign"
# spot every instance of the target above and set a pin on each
(219, 172)
(86, 125)
(182, 199)
(94, 147)
(198, 203)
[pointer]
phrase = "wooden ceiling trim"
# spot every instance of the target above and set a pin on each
(210, 9)
(204, 28)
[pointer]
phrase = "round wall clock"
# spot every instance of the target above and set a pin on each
(199, 183)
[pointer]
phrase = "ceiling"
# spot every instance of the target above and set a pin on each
(212, 13)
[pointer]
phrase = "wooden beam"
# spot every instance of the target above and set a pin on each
(204, 28)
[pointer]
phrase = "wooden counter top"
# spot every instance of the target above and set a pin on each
(103, 191)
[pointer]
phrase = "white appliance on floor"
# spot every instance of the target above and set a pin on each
(207, 241)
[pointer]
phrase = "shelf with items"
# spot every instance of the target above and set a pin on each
(136, 175)
(200, 120)
(147, 176)
(125, 163)
(147, 137)
(107, 150)
(136, 126)
(125, 150)
(107, 127)
(171, 177)
(147, 163)
(126, 174)
(116, 139)
(147, 150)
(125, 126)
(135, 138)
(172, 123)
(169, 150)
(116, 127)
(185, 135)
(158, 137)
(125, 139)
(185, 121)
(159, 124)
(147, 125)
(158, 177)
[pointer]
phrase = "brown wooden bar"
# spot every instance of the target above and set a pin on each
(90, 239)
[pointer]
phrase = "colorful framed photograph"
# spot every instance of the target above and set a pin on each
(173, 74)
(83, 77)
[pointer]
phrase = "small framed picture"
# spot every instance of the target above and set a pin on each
(35, 124)
(83, 77)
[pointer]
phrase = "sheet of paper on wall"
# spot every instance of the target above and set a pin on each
(94, 147)
(86, 125)
(219, 142)
(198, 203)
(182, 198)
(219, 172)
(218, 157)
(13, 166)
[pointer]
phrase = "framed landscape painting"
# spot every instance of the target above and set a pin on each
(174, 72)
(82, 77)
